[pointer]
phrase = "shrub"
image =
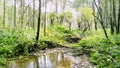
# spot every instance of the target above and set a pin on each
(103, 52)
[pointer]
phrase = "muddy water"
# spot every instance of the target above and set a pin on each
(51, 59)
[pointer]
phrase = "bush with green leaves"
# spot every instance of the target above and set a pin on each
(104, 53)
(55, 33)
(12, 38)
(15, 42)
(53, 17)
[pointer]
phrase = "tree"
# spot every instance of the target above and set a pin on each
(62, 17)
(4, 14)
(85, 18)
(14, 13)
(94, 13)
(78, 3)
(64, 4)
(111, 19)
(113, 16)
(56, 6)
(118, 25)
(68, 17)
(33, 14)
(39, 21)
(100, 18)
(53, 16)
(22, 13)
(45, 20)
(28, 16)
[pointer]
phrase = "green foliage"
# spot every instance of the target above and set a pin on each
(55, 33)
(20, 49)
(104, 53)
(11, 36)
(79, 3)
(6, 51)
(13, 41)
(17, 42)
(53, 17)
(60, 29)
(87, 14)
(68, 16)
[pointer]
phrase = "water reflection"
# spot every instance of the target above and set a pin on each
(51, 60)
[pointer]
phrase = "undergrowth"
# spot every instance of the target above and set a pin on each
(15, 42)
(103, 52)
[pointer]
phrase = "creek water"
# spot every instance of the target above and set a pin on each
(54, 59)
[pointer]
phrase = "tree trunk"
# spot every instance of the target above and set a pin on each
(70, 26)
(114, 15)
(33, 14)
(101, 17)
(28, 16)
(94, 14)
(106, 13)
(118, 25)
(56, 5)
(61, 20)
(4, 14)
(64, 4)
(39, 21)
(22, 13)
(45, 20)
(111, 19)
(14, 13)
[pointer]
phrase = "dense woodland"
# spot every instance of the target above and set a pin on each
(91, 27)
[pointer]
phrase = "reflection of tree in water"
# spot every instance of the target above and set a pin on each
(64, 62)
(27, 62)
(52, 57)
(36, 62)
(59, 60)
(52, 60)
(42, 61)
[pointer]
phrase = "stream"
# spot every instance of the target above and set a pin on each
(52, 58)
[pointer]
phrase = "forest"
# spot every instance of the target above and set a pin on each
(59, 33)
